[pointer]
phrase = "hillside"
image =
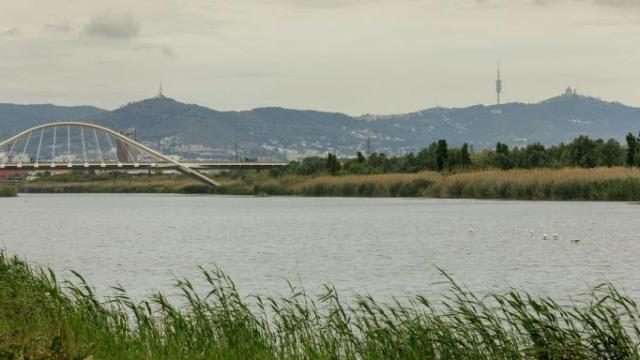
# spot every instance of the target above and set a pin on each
(264, 131)
(193, 130)
(556, 120)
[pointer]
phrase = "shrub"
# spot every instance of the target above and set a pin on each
(8, 191)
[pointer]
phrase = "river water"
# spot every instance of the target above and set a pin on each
(385, 247)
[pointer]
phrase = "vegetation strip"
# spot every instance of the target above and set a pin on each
(8, 191)
(598, 184)
(41, 318)
(584, 169)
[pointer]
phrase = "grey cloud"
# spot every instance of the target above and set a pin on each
(10, 32)
(162, 49)
(243, 75)
(611, 3)
(63, 27)
(114, 25)
(604, 23)
(325, 3)
(248, 75)
(618, 3)
(167, 51)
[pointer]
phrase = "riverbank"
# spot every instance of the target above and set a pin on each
(41, 318)
(75, 183)
(8, 191)
(597, 184)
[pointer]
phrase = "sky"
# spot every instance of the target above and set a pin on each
(351, 56)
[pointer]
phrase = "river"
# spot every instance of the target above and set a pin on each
(386, 247)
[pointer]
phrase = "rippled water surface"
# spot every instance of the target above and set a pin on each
(381, 246)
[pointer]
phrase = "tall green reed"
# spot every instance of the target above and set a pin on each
(42, 317)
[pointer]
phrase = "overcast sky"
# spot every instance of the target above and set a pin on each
(353, 56)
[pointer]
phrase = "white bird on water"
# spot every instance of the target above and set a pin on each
(544, 237)
(532, 233)
(471, 232)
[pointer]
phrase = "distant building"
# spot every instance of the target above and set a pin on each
(292, 155)
(266, 159)
(568, 92)
(198, 148)
(7, 173)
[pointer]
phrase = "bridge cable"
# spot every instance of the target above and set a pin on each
(9, 153)
(84, 147)
(6, 157)
(129, 153)
(69, 145)
(25, 147)
(111, 145)
(3, 156)
(132, 153)
(95, 135)
(39, 146)
(53, 149)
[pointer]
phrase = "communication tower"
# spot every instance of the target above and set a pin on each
(498, 84)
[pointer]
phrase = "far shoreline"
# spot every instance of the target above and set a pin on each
(567, 184)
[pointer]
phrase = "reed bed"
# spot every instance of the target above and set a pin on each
(612, 184)
(620, 184)
(107, 184)
(389, 185)
(602, 184)
(8, 191)
(43, 318)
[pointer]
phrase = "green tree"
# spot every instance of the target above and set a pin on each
(502, 159)
(610, 153)
(582, 151)
(632, 149)
(308, 166)
(442, 154)
(466, 157)
(426, 158)
(333, 164)
(534, 156)
(378, 161)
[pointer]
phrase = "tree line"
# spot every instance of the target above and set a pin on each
(581, 152)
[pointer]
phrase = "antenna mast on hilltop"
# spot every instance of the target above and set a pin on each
(160, 92)
(498, 84)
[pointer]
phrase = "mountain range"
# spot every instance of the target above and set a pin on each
(178, 127)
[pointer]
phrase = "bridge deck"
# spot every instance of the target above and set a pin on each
(222, 165)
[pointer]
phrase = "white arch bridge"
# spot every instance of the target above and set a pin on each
(78, 145)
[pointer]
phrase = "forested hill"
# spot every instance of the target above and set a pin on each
(264, 129)
(556, 120)
(278, 131)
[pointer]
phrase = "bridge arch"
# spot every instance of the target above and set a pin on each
(125, 139)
